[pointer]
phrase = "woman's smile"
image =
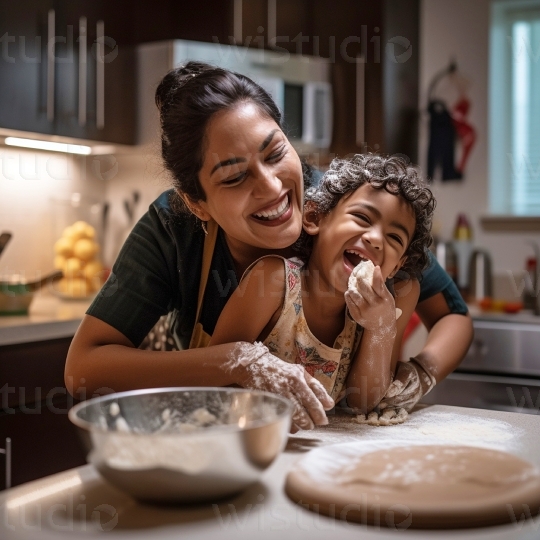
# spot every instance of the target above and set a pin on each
(276, 213)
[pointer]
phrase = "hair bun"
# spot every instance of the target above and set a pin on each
(174, 80)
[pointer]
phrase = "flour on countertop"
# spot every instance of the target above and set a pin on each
(424, 427)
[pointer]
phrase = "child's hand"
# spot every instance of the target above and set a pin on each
(411, 383)
(373, 307)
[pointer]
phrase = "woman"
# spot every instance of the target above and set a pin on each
(232, 166)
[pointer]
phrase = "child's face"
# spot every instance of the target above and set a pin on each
(370, 224)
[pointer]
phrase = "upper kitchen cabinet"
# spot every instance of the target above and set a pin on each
(373, 50)
(25, 76)
(68, 69)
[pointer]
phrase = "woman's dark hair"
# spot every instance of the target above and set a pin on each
(187, 98)
(391, 173)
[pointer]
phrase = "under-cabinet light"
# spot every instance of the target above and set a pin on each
(46, 145)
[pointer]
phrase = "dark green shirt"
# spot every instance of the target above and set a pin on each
(158, 269)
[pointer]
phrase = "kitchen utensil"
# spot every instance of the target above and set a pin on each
(16, 293)
(5, 237)
(183, 444)
(480, 275)
(130, 208)
(447, 258)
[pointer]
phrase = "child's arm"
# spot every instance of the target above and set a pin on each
(253, 309)
(253, 304)
(376, 358)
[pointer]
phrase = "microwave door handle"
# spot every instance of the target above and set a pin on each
(100, 75)
(360, 100)
(82, 70)
(311, 109)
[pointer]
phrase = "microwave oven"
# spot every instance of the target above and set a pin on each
(300, 85)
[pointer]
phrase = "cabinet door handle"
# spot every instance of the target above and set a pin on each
(360, 100)
(100, 75)
(51, 42)
(83, 33)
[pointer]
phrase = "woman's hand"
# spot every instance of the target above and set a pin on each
(373, 307)
(255, 367)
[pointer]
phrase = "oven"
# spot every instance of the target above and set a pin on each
(501, 370)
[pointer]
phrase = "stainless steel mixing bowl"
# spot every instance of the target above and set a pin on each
(183, 444)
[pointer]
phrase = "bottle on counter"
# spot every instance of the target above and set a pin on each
(463, 248)
(446, 257)
(529, 293)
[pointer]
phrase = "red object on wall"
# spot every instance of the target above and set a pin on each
(464, 130)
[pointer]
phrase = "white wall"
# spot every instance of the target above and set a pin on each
(459, 29)
(140, 171)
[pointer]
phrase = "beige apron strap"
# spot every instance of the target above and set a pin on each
(208, 252)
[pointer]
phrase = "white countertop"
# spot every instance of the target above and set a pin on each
(77, 503)
(523, 317)
(49, 317)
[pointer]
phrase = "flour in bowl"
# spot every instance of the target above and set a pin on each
(130, 448)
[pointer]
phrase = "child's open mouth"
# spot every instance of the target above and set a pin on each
(353, 258)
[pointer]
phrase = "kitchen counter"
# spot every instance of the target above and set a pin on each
(49, 317)
(79, 504)
(523, 317)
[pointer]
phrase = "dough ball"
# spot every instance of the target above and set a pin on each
(64, 247)
(72, 267)
(93, 273)
(363, 271)
(90, 232)
(85, 249)
(78, 230)
(76, 287)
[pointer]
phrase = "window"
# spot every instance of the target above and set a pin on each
(514, 108)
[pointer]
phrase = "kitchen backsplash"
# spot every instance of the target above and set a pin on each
(30, 180)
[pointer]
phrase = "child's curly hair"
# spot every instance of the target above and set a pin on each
(395, 175)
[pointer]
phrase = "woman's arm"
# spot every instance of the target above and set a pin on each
(101, 360)
(376, 358)
(449, 338)
(445, 315)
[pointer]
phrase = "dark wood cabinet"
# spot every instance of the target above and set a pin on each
(34, 411)
(70, 70)
(23, 66)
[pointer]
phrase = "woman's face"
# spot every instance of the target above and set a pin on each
(252, 178)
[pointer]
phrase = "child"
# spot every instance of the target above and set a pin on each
(366, 208)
